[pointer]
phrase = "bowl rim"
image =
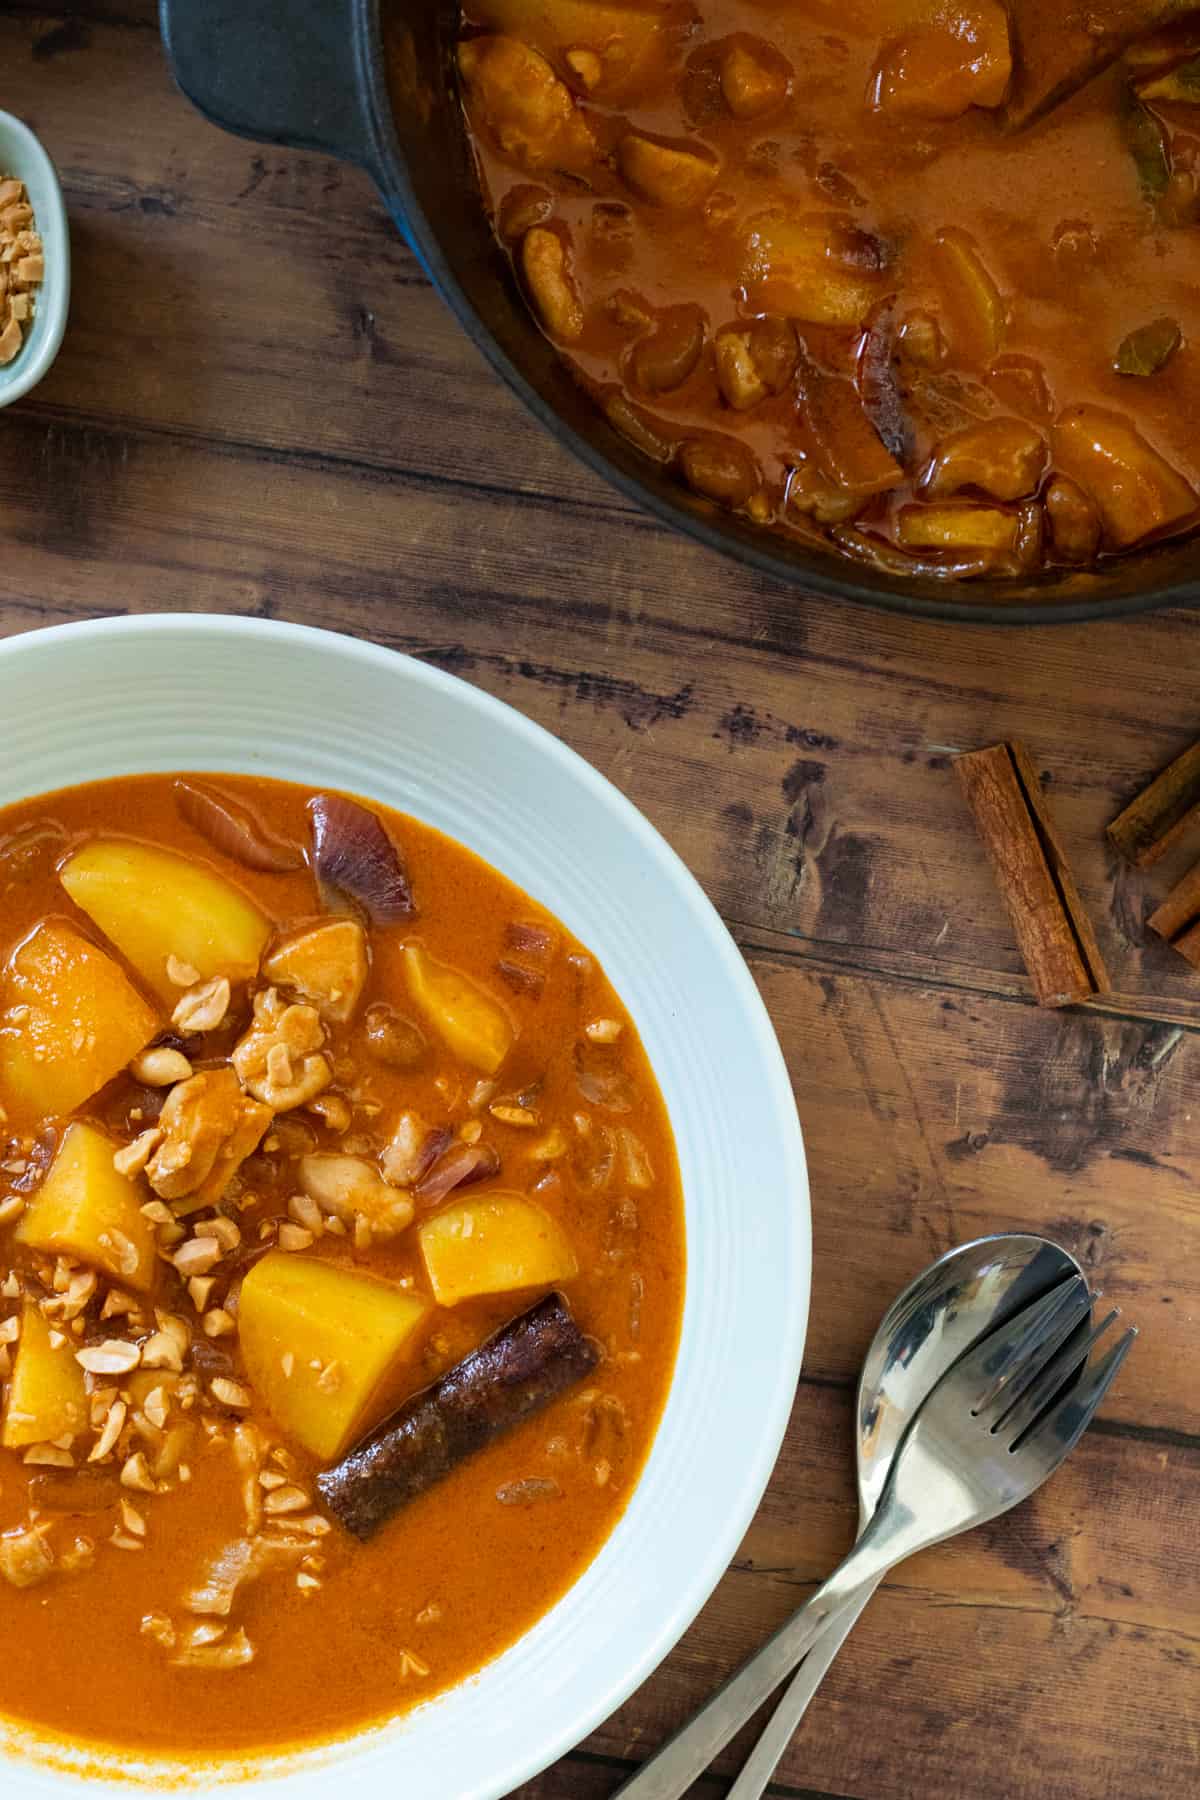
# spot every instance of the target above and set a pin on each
(723, 1534)
(31, 160)
(813, 574)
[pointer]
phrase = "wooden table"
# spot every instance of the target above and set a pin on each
(262, 408)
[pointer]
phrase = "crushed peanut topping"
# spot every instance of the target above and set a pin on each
(22, 267)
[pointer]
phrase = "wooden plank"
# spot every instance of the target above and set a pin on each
(932, 1118)
(827, 811)
(1053, 1654)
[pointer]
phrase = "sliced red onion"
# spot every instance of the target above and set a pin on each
(520, 979)
(353, 856)
(233, 829)
(461, 1165)
(535, 940)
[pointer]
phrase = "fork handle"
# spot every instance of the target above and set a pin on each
(683, 1759)
(781, 1728)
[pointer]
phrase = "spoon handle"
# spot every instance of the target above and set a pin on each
(683, 1759)
(781, 1727)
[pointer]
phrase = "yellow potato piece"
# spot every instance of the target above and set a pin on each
(71, 1020)
(154, 905)
(84, 1208)
(1135, 490)
(493, 1245)
(822, 269)
(320, 1342)
(47, 1398)
(471, 1024)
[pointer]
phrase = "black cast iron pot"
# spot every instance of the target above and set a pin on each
(313, 74)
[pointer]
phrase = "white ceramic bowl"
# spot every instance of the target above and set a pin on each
(22, 155)
(84, 701)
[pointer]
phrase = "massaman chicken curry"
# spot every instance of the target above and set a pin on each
(341, 1263)
(920, 278)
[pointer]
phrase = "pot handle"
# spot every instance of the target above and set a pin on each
(281, 71)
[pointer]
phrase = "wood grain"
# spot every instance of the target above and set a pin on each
(260, 407)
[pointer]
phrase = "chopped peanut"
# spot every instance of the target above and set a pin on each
(23, 267)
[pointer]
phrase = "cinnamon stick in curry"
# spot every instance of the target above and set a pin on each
(525, 1366)
(1178, 918)
(1053, 930)
(1151, 823)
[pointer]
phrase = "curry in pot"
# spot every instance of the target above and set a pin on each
(341, 1263)
(917, 279)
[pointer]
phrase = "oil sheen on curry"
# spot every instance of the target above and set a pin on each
(341, 1263)
(918, 278)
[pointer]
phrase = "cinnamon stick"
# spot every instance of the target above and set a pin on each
(1053, 930)
(1178, 918)
(1151, 823)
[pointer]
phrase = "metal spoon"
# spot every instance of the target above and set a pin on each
(956, 1301)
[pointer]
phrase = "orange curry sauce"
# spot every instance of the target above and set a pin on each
(812, 255)
(452, 1580)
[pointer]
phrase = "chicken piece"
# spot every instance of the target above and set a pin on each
(349, 1187)
(279, 1058)
(325, 965)
(754, 362)
(210, 1128)
(523, 105)
(233, 1568)
(25, 1558)
(546, 266)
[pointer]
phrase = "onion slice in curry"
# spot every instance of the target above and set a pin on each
(354, 858)
(233, 830)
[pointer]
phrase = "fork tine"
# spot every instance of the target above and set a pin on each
(1039, 1358)
(1058, 1431)
(1020, 1411)
(1006, 1353)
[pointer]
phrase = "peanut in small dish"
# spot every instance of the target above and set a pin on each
(22, 267)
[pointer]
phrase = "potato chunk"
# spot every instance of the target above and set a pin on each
(71, 1021)
(84, 1208)
(822, 268)
(47, 1397)
(678, 176)
(946, 66)
(1004, 458)
(154, 905)
(469, 1021)
(324, 964)
(493, 1245)
(320, 1343)
(1136, 491)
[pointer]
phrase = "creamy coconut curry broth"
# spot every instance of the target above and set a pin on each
(317, 1133)
(918, 277)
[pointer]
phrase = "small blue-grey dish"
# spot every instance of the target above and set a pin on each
(22, 156)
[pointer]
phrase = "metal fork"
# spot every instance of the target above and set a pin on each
(994, 1428)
